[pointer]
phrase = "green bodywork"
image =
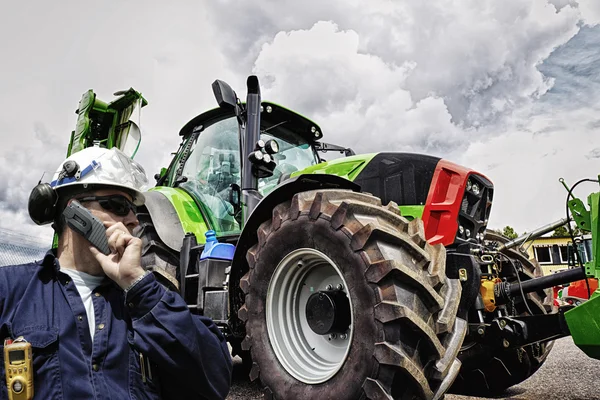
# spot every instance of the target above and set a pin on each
(348, 167)
(584, 320)
(411, 212)
(187, 210)
(584, 324)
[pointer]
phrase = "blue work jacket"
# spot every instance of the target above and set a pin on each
(147, 344)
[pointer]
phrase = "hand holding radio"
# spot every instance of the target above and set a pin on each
(123, 264)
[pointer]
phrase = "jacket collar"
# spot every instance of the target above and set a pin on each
(50, 264)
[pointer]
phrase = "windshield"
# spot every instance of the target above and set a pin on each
(295, 154)
(214, 165)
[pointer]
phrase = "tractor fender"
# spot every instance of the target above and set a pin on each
(263, 211)
(165, 218)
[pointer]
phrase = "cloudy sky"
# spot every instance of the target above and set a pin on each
(510, 88)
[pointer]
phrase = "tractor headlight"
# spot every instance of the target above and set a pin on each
(256, 156)
(272, 147)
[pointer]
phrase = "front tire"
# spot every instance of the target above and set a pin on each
(401, 337)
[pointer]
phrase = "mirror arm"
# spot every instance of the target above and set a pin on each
(325, 147)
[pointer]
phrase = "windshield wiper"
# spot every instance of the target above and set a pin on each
(271, 127)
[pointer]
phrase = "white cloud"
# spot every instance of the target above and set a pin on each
(480, 56)
(590, 10)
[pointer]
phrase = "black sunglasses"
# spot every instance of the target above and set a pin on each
(117, 204)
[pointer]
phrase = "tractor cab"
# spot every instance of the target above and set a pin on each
(209, 168)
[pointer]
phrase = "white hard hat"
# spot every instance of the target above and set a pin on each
(103, 167)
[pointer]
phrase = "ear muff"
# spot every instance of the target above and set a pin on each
(42, 204)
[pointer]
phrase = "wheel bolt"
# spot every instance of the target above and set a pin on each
(506, 343)
(340, 287)
(332, 336)
(480, 331)
(343, 336)
(329, 287)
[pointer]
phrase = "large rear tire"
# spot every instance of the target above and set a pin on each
(488, 371)
(401, 336)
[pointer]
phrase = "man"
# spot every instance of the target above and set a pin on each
(100, 326)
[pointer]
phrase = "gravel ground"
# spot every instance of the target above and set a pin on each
(567, 374)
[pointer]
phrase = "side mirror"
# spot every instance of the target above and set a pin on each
(224, 94)
(235, 195)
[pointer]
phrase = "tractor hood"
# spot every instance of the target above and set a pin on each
(454, 202)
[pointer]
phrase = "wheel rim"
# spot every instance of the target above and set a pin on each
(307, 356)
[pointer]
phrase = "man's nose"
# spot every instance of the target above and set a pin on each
(131, 221)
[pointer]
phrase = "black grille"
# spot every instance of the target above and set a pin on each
(475, 210)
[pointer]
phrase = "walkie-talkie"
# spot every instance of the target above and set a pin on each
(81, 220)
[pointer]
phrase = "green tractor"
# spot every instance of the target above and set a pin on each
(347, 275)
(329, 293)
(368, 276)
